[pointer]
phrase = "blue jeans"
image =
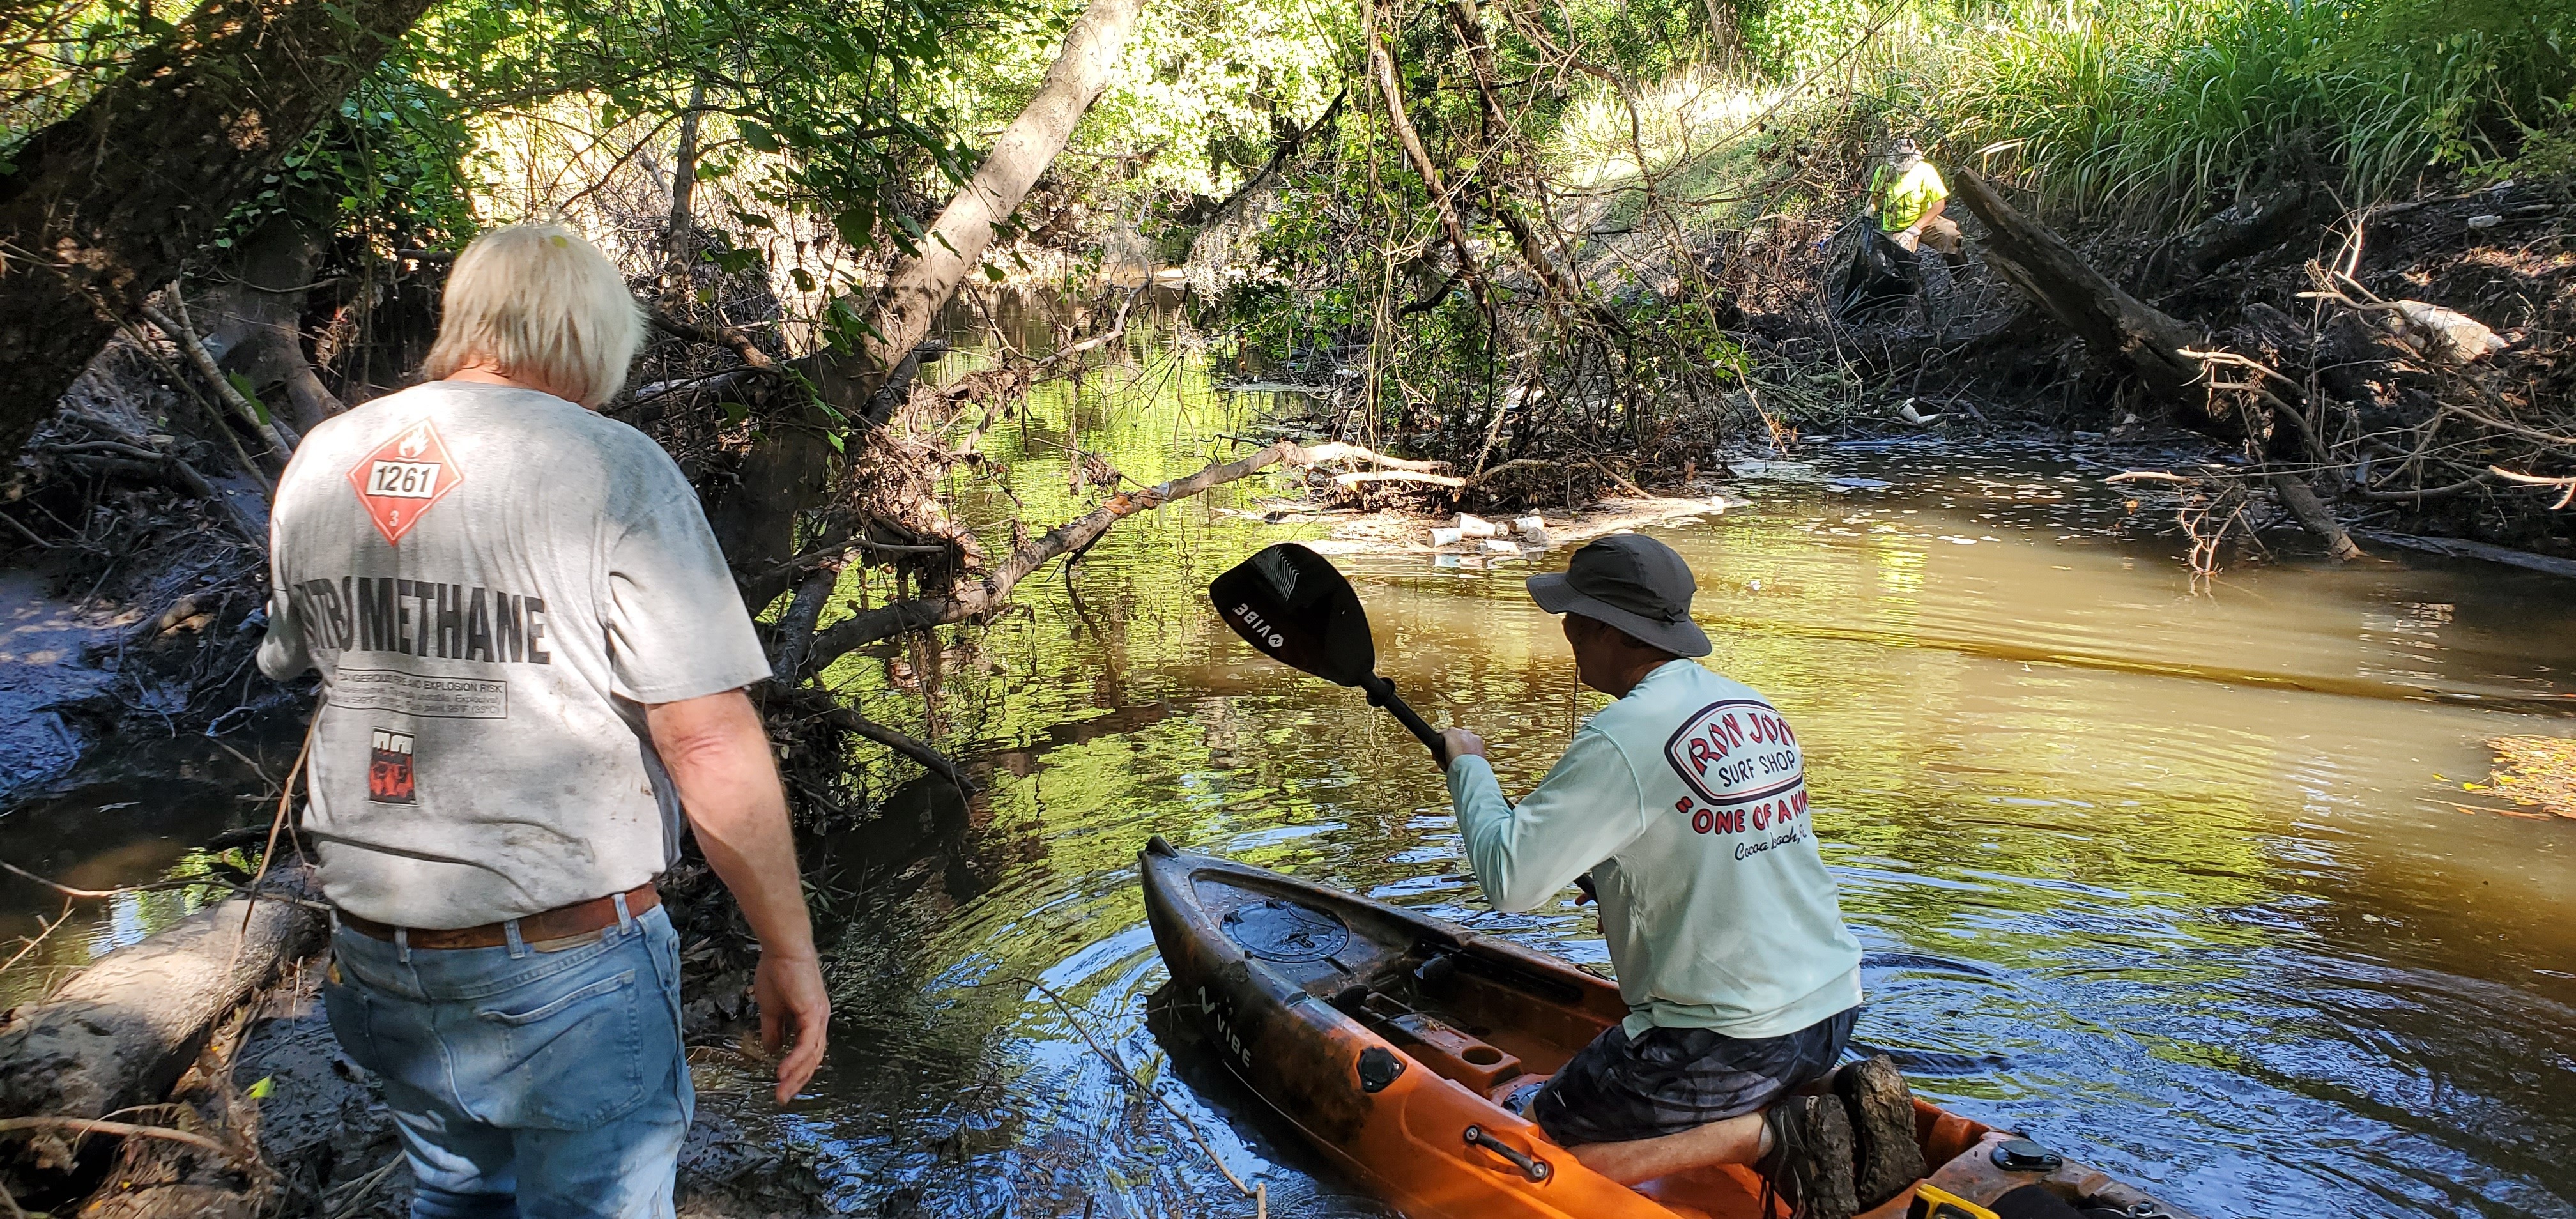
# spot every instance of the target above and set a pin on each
(526, 1082)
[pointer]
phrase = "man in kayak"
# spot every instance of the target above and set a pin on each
(1685, 805)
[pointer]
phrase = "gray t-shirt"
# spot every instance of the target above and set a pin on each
(493, 582)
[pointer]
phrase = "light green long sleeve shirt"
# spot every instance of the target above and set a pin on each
(1687, 802)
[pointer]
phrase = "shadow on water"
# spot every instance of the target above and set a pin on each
(2178, 880)
(139, 814)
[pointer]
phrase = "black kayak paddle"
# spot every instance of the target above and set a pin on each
(1294, 606)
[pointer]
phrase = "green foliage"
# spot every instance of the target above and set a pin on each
(826, 107)
(2167, 106)
(55, 53)
(1643, 39)
(391, 171)
(1202, 90)
(1789, 37)
(2548, 154)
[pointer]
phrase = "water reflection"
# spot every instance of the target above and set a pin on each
(2177, 882)
(158, 801)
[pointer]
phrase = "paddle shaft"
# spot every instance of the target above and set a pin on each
(1381, 692)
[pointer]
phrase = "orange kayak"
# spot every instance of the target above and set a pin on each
(1392, 1040)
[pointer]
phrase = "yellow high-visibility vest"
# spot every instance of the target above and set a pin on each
(1900, 201)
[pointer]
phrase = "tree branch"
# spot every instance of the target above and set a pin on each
(83, 1125)
(1383, 64)
(974, 600)
(195, 350)
(713, 335)
(911, 747)
(2303, 504)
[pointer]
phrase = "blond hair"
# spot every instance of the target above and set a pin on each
(545, 307)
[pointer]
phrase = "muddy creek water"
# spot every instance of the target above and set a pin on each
(2178, 880)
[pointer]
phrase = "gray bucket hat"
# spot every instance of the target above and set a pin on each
(1632, 582)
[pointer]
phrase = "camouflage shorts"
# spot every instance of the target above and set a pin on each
(1617, 1090)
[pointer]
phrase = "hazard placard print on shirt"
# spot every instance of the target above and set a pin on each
(390, 779)
(404, 478)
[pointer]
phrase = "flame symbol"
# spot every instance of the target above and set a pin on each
(415, 442)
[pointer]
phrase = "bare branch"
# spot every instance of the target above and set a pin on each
(988, 595)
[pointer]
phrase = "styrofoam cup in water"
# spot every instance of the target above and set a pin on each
(1476, 526)
(1445, 537)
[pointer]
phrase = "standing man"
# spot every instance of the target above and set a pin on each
(1907, 196)
(1685, 804)
(533, 661)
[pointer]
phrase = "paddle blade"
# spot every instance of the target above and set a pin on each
(1291, 604)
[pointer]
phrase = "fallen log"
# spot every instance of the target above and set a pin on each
(1398, 476)
(2303, 504)
(2120, 329)
(122, 1031)
(2462, 548)
(984, 596)
(2236, 232)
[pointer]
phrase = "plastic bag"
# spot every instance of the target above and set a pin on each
(1875, 272)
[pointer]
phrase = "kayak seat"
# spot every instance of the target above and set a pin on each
(1450, 1051)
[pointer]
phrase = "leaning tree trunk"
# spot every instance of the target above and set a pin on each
(105, 205)
(2131, 335)
(789, 470)
(253, 320)
(920, 288)
(2119, 328)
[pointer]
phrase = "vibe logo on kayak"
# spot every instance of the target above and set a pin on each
(1736, 751)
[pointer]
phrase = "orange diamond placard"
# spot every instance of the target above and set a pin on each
(404, 478)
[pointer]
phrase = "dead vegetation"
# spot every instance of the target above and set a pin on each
(2534, 772)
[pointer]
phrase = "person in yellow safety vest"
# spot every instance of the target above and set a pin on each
(1908, 196)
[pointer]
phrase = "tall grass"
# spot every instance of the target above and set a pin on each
(2156, 110)
(2161, 108)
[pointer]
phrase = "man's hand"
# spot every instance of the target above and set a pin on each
(718, 756)
(1462, 743)
(789, 990)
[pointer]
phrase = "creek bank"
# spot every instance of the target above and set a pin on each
(323, 1125)
(2402, 365)
(2285, 337)
(1396, 531)
(219, 1038)
(132, 584)
(43, 681)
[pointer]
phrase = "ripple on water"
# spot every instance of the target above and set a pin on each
(2172, 881)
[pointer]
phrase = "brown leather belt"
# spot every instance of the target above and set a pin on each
(562, 922)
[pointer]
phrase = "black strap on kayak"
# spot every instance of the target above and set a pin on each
(1531, 1166)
